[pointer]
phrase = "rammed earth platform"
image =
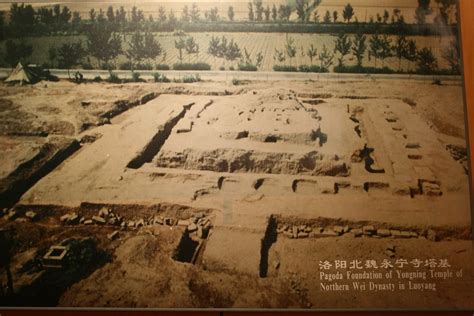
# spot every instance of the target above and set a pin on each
(378, 155)
(177, 181)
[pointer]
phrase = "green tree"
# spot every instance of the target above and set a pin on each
(422, 11)
(212, 15)
(327, 17)
(452, 55)
(304, 8)
(343, 47)
(395, 15)
(334, 16)
(65, 16)
(279, 55)
(222, 50)
(246, 59)
(110, 14)
(400, 49)
(185, 14)
(76, 20)
(233, 51)
(359, 47)
(121, 16)
(426, 61)
(22, 19)
(258, 9)
(103, 43)
(101, 17)
(230, 13)
(45, 16)
(172, 19)
(386, 16)
(375, 47)
(385, 48)
(312, 52)
(214, 46)
(161, 14)
(315, 16)
(251, 14)
(136, 49)
(70, 54)
(411, 53)
(445, 7)
(379, 18)
(56, 13)
(17, 52)
(267, 13)
(284, 12)
(325, 58)
(274, 13)
(92, 15)
(180, 45)
(194, 14)
(152, 49)
(348, 13)
(191, 47)
(137, 16)
(290, 47)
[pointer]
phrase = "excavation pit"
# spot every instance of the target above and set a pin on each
(54, 258)
(187, 250)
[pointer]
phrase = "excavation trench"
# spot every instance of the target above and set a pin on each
(29, 173)
(366, 156)
(124, 105)
(268, 240)
(158, 140)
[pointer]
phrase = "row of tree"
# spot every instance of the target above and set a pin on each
(105, 46)
(379, 47)
(25, 20)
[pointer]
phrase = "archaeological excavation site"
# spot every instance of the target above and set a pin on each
(216, 195)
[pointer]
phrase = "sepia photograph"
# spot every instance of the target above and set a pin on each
(234, 155)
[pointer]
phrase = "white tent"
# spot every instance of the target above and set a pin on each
(22, 74)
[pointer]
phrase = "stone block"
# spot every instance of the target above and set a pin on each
(338, 229)
(98, 220)
(357, 232)
(295, 231)
(104, 212)
(31, 215)
(192, 227)
(114, 235)
(303, 235)
(368, 230)
(73, 219)
(183, 222)
(396, 233)
(383, 233)
(405, 234)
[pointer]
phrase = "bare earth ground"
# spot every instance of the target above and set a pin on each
(221, 195)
